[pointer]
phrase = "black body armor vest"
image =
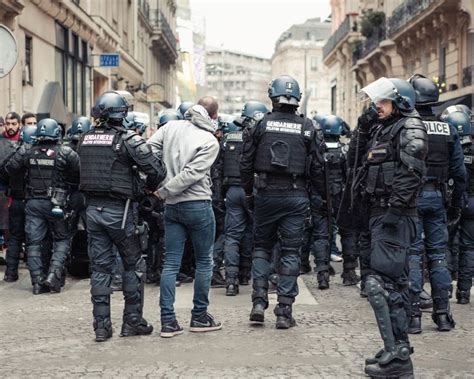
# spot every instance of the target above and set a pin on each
(439, 139)
(41, 161)
(233, 149)
(334, 156)
(282, 150)
(105, 167)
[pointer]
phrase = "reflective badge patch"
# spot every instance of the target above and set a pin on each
(377, 154)
(437, 127)
(468, 159)
(234, 137)
(283, 127)
(98, 139)
(41, 162)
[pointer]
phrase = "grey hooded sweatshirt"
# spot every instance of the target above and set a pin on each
(189, 149)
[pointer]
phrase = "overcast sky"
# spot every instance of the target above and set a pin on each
(253, 26)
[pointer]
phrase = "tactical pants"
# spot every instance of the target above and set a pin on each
(466, 247)
(237, 221)
(432, 222)
(387, 285)
(104, 220)
(283, 217)
(320, 249)
(218, 252)
(16, 222)
(38, 222)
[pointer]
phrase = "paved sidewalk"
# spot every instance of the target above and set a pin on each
(51, 336)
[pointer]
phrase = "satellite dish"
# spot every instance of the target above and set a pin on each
(9, 49)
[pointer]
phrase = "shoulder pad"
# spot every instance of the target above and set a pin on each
(126, 135)
(133, 139)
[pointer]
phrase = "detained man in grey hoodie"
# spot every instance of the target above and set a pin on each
(188, 149)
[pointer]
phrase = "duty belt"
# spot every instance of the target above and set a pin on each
(101, 201)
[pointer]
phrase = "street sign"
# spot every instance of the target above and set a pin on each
(9, 51)
(109, 60)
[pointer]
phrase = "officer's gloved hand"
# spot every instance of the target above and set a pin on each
(367, 119)
(77, 202)
(454, 216)
(391, 218)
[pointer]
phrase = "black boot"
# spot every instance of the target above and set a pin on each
(257, 314)
(11, 275)
(444, 320)
(375, 359)
(349, 277)
(414, 324)
(323, 280)
(232, 290)
(53, 279)
(284, 319)
(103, 330)
(397, 368)
(136, 326)
(39, 288)
(463, 297)
(244, 278)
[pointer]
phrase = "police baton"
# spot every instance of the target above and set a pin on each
(125, 214)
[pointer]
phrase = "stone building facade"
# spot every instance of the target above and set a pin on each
(374, 38)
(234, 78)
(298, 53)
(61, 40)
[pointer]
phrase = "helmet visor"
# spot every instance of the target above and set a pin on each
(381, 89)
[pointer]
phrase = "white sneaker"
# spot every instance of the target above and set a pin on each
(336, 258)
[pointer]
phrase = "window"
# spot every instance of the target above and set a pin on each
(333, 99)
(27, 73)
(314, 63)
(442, 61)
(73, 71)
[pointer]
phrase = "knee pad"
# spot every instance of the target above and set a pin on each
(377, 294)
(262, 254)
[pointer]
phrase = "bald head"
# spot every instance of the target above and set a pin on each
(210, 105)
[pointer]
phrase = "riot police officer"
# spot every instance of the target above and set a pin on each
(445, 161)
(237, 218)
(391, 146)
(16, 211)
(79, 126)
(278, 150)
(109, 154)
(183, 107)
(50, 168)
(168, 115)
(460, 120)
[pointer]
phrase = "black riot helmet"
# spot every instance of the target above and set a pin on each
(333, 126)
(184, 106)
(27, 134)
(455, 108)
(79, 126)
(168, 115)
(110, 106)
(47, 130)
(252, 107)
(399, 91)
(427, 92)
(284, 90)
(461, 121)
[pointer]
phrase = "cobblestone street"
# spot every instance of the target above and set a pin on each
(51, 336)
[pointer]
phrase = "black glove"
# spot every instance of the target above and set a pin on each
(148, 203)
(454, 216)
(250, 203)
(77, 202)
(391, 218)
(367, 119)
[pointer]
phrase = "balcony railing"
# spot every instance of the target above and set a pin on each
(348, 25)
(163, 29)
(406, 12)
(372, 42)
(467, 76)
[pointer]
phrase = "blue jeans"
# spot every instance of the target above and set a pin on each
(195, 218)
(432, 222)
